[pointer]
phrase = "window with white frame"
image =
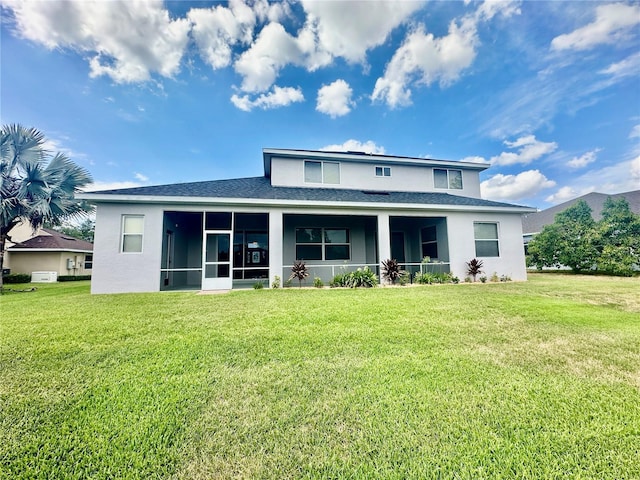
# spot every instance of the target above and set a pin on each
(445, 178)
(322, 244)
(486, 237)
(321, 172)
(88, 261)
(132, 233)
(383, 171)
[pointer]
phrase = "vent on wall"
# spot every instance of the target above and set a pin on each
(374, 192)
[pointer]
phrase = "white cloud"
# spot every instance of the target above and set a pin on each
(624, 68)
(620, 177)
(272, 50)
(635, 132)
(425, 59)
(278, 97)
(141, 177)
(335, 99)
(613, 23)
(475, 159)
(98, 186)
(349, 29)
(530, 150)
(564, 194)
(217, 29)
(331, 29)
(115, 35)
(583, 160)
(355, 146)
(515, 187)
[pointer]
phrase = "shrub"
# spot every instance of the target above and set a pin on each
(505, 278)
(494, 277)
(17, 278)
(483, 279)
(258, 285)
(404, 278)
(474, 267)
(363, 277)
(300, 271)
(73, 278)
(429, 278)
(391, 270)
(276, 282)
(338, 280)
(317, 282)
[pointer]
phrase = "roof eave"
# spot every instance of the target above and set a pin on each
(262, 202)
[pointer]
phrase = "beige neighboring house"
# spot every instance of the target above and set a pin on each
(48, 251)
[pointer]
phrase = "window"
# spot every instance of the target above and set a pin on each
(451, 179)
(486, 236)
(88, 261)
(383, 171)
(429, 242)
(321, 172)
(322, 244)
(132, 230)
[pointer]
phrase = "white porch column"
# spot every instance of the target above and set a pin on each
(276, 233)
(384, 240)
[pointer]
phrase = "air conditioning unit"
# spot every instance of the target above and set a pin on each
(44, 277)
(70, 264)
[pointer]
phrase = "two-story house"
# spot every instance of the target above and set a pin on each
(335, 211)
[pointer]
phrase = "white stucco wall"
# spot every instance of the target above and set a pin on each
(116, 272)
(511, 261)
(287, 172)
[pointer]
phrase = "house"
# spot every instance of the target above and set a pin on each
(50, 251)
(335, 211)
(533, 223)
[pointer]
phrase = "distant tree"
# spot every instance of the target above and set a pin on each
(35, 186)
(84, 231)
(570, 241)
(619, 238)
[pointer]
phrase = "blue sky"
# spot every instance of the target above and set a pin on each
(145, 93)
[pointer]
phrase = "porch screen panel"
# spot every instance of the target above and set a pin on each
(429, 242)
(322, 244)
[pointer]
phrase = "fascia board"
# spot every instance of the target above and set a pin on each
(261, 202)
(365, 158)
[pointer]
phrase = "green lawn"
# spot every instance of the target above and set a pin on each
(512, 380)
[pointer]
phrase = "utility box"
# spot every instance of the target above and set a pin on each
(44, 277)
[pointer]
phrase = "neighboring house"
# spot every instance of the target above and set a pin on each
(533, 223)
(51, 251)
(336, 211)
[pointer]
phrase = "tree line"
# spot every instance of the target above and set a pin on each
(575, 240)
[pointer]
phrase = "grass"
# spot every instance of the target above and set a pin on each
(511, 380)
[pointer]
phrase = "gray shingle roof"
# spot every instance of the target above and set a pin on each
(534, 222)
(260, 188)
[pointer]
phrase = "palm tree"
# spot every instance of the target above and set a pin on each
(35, 187)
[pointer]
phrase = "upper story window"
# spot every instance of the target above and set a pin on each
(132, 232)
(383, 171)
(445, 178)
(321, 172)
(486, 237)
